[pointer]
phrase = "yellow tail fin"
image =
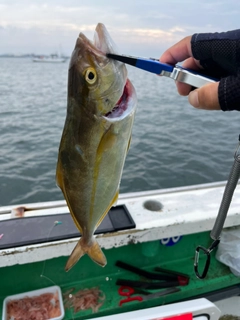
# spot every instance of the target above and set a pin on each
(94, 251)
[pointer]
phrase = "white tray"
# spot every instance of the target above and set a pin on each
(33, 293)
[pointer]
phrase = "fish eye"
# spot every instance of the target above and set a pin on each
(91, 76)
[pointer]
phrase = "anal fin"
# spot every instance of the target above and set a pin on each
(113, 203)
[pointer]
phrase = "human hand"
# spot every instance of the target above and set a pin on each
(205, 97)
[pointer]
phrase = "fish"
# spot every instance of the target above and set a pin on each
(101, 105)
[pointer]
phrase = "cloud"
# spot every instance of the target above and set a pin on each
(145, 35)
(134, 25)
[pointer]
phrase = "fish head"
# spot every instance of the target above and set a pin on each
(98, 84)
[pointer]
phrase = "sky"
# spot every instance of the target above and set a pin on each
(138, 27)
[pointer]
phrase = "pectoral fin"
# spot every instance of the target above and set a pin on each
(107, 142)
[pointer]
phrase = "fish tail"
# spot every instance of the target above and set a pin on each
(93, 250)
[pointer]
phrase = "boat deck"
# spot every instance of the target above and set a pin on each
(170, 224)
(87, 275)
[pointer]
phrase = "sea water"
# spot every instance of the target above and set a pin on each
(172, 145)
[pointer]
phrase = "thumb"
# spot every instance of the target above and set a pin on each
(205, 97)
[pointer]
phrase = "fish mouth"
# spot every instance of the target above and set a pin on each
(104, 43)
(121, 106)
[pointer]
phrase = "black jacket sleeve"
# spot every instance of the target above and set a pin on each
(219, 55)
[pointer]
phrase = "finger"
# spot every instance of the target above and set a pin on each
(192, 64)
(205, 97)
(178, 52)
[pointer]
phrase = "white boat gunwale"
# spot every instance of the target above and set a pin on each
(186, 210)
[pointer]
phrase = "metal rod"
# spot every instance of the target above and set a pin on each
(227, 198)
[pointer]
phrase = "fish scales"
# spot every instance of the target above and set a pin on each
(95, 139)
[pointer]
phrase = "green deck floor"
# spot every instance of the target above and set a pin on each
(86, 274)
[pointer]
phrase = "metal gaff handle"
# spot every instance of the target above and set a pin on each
(227, 198)
(221, 217)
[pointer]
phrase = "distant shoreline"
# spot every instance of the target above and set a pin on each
(16, 55)
(27, 55)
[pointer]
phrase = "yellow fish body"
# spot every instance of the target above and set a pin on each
(95, 138)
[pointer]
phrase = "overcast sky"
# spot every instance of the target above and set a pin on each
(137, 27)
